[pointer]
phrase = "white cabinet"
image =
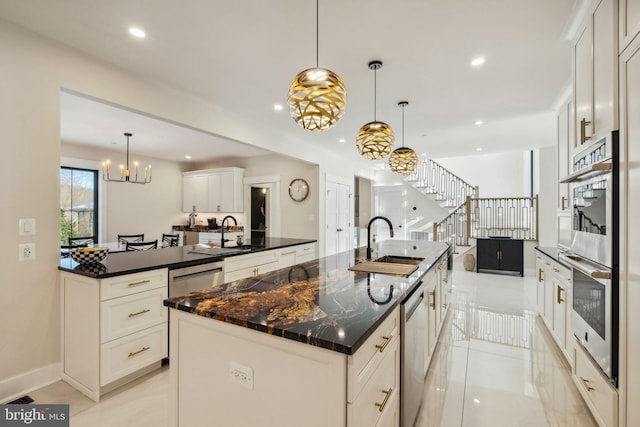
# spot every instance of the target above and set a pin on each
(213, 190)
(554, 293)
(600, 396)
(211, 238)
(564, 145)
(629, 22)
(243, 266)
(630, 231)
(595, 74)
(298, 254)
(113, 329)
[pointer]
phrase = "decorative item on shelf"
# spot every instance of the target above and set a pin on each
(403, 160)
(317, 96)
(125, 172)
(298, 189)
(88, 255)
(375, 139)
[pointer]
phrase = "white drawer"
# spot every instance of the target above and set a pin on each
(250, 260)
(379, 395)
(132, 313)
(119, 286)
(363, 364)
(598, 393)
(249, 271)
(305, 250)
(126, 355)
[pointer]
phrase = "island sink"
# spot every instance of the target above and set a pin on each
(389, 264)
(399, 259)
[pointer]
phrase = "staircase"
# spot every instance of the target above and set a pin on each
(466, 215)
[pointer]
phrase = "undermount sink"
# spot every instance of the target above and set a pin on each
(389, 264)
(399, 259)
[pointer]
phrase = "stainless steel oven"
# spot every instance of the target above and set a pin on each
(594, 308)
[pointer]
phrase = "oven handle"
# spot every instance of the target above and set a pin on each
(589, 172)
(587, 269)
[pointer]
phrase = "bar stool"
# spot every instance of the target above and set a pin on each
(141, 246)
(170, 240)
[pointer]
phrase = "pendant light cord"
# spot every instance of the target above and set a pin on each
(375, 95)
(403, 105)
(317, 32)
(127, 152)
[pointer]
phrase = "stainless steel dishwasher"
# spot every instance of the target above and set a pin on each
(413, 336)
(189, 279)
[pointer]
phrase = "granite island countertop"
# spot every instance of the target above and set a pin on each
(120, 263)
(319, 302)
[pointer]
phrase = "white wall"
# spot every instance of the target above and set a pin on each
(546, 186)
(497, 174)
(33, 70)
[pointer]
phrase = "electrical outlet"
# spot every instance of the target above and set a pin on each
(26, 251)
(240, 374)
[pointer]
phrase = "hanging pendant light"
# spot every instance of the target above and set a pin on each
(126, 174)
(403, 160)
(375, 139)
(317, 97)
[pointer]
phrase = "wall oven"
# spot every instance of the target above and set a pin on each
(593, 254)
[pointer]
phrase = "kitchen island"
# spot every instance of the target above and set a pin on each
(314, 344)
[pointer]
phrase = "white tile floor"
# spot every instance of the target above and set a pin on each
(495, 365)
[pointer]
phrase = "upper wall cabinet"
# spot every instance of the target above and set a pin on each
(213, 190)
(629, 22)
(595, 57)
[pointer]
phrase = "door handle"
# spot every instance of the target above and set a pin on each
(339, 229)
(583, 130)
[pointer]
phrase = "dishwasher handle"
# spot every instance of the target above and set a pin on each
(198, 273)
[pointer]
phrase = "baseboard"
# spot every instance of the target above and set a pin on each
(18, 386)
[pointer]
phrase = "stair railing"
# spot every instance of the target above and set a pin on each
(433, 178)
(515, 217)
(453, 228)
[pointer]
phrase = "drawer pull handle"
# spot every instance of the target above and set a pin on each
(583, 130)
(146, 310)
(559, 295)
(601, 275)
(586, 384)
(141, 282)
(556, 270)
(540, 279)
(387, 394)
(433, 303)
(444, 306)
(143, 349)
(387, 340)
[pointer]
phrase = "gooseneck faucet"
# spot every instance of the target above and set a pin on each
(369, 233)
(222, 225)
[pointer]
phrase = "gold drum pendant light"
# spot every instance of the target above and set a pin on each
(317, 96)
(375, 139)
(403, 160)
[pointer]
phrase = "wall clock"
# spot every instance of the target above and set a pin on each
(298, 189)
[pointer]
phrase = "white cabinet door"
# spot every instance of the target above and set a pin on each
(195, 192)
(564, 148)
(629, 21)
(583, 85)
(605, 69)
(560, 313)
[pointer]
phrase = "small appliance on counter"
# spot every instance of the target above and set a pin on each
(192, 218)
(213, 223)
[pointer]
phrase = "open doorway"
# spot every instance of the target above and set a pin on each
(259, 211)
(262, 205)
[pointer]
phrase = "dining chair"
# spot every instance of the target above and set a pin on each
(124, 238)
(87, 240)
(65, 249)
(170, 240)
(141, 246)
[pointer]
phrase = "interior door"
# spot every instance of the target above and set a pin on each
(338, 224)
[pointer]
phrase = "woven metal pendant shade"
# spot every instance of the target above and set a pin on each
(403, 161)
(375, 140)
(317, 99)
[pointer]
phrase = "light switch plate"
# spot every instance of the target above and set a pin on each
(27, 226)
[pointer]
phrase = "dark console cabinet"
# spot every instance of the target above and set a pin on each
(500, 255)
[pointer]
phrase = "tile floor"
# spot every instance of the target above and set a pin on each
(495, 365)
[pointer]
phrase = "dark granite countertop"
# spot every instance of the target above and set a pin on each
(319, 302)
(553, 253)
(120, 263)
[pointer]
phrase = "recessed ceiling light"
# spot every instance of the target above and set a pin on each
(424, 154)
(188, 157)
(277, 107)
(341, 140)
(477, 61)
(479, 149)
(479, 122)
(137, 32)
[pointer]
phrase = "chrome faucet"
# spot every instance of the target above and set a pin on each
(222, 226)
(369, 251)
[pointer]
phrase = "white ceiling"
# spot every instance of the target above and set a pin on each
(243, 55)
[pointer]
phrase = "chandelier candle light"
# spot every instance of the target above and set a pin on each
(375, 139)
(317, 97)
(125, 174)
(403, 160)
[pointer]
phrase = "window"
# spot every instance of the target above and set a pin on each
(78, 203)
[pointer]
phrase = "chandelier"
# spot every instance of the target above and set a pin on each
(375, 139)
(317, 97)
(126, 174)
(403, 160)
